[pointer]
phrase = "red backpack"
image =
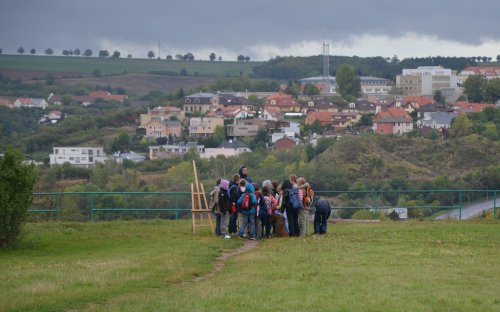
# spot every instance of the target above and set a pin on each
(246, 201)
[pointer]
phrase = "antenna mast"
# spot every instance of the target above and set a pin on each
(326, 66)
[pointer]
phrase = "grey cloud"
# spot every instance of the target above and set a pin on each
(236, 24)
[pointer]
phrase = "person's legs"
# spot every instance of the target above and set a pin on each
(243, 224)
(252, 225)
(217, 224)
(223, 223)
(317, 221)
(302, 222)
(325, 214)
(258, 227)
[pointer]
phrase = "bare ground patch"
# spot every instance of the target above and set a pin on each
(141, 84)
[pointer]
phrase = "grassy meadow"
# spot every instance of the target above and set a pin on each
(148, 266)
(87, 65)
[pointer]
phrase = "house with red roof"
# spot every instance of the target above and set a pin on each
(229, 112)
(270, 113)
(466, 107)
(284, 102)
(488, 72)
(324, 118)
(30, 103)
(6, 102)
(105, 95)
(393, 121)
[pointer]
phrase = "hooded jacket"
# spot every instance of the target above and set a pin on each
(253, 199)
(244, 176)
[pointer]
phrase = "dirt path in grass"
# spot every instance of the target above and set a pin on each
(221, 260)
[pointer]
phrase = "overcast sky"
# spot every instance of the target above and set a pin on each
(260, 29)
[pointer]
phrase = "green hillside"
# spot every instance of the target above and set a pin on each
(86, 65)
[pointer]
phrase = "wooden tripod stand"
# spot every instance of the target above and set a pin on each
(197, 206)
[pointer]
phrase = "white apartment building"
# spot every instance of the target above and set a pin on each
(426, 80)
(84, 157)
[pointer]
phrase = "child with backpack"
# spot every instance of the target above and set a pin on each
(281, 229)
(291, 203)
(247, 204)
(214, 206)
(260, 211)
(233, 199)
(307, 195)
(224, 208)
(267, 212)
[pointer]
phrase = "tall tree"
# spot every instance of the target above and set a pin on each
(492, 91)
(461, 126)
(241, 58)
(20, 50)
(16, 195)
(169, 57)
(116, 54)
(311, 89)
(212, 56)
(439, 97)
(103, 53)
(32, 51)
(49, 51)
(65, 52)
(151, 54)
(77, 52)
(87, 52)
(474, 87)
(1, 51)
(348, 82)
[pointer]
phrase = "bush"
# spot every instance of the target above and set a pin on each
(16, 186)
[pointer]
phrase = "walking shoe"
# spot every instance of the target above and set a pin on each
(239, 236)
(252, 238)
(227, 237)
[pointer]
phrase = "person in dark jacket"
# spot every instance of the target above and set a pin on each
(233, 193)
(244, 174)
(323, 211)
(292, 214)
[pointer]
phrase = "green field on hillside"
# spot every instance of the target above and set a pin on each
(116, 66)
(148, 266)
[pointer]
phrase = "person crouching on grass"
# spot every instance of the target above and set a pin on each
(323, 211)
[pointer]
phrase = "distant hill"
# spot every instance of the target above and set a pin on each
(293, 68)
(72, 66)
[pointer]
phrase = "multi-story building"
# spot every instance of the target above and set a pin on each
(200, 102)
(426, 80)
(85, 157)
(167, 151)
(162, 113)
(163, 128)
(369, 85)
(393, 121)
(200, 127)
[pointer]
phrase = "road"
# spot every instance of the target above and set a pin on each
(469, 211)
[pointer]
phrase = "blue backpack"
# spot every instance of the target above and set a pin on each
(295, 198)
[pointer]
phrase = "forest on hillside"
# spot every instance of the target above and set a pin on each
(293, 68)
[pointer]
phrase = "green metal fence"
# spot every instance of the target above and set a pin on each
(91, 206)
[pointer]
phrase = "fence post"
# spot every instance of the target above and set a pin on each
(494, 205)
(176, 206)
(375, 215)
(58, 214)
(91, 207)
(460, 210)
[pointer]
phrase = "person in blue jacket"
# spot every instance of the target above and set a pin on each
(323, 211)
(248, 215)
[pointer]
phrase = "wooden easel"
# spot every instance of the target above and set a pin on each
(196, 204)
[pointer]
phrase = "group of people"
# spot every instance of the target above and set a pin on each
(244, 208)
